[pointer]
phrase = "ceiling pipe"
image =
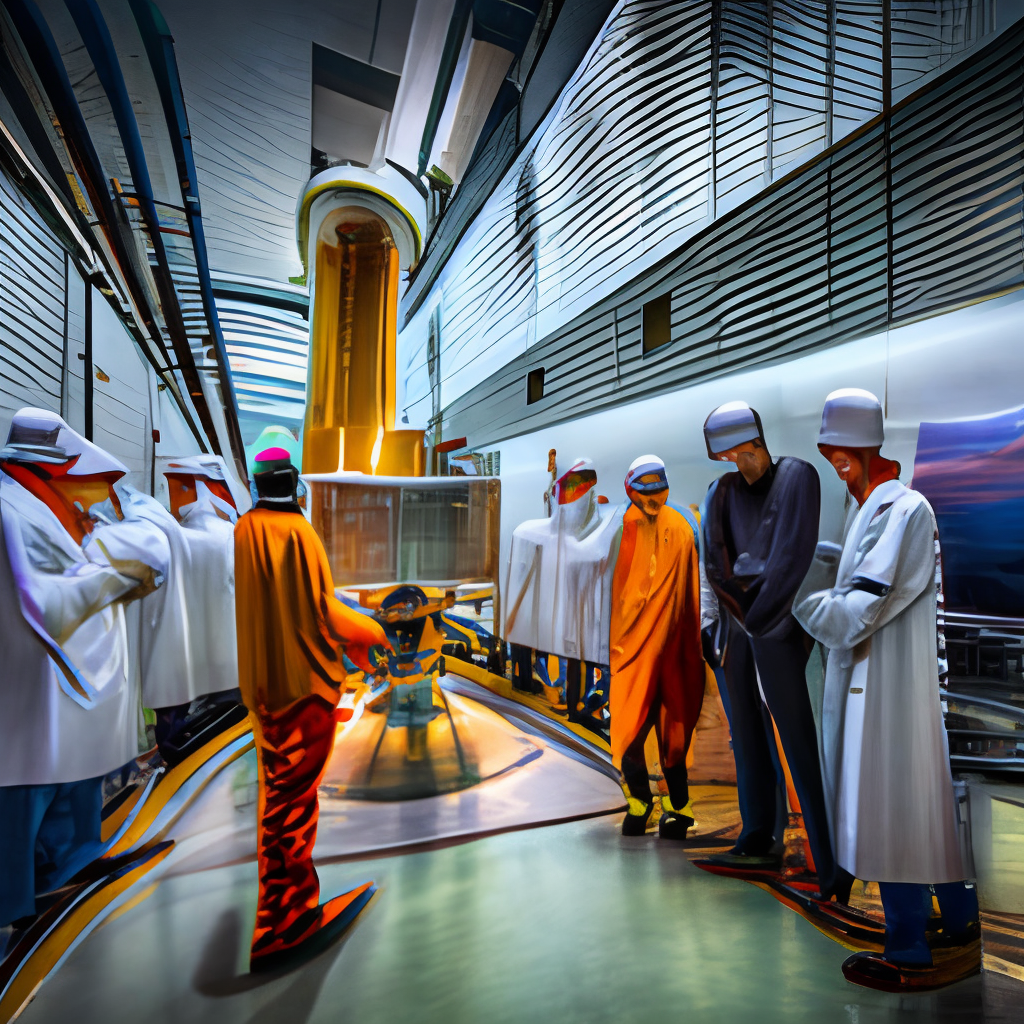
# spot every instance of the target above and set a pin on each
(100, 47)
(156, 37)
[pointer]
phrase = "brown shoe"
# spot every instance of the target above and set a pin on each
(873, 970)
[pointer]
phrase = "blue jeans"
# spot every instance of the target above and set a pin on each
(47, 835)
(908, 908)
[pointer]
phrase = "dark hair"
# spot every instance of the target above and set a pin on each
(278, 483)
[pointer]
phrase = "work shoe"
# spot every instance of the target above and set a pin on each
(333, 920)
(873, 970)
(746, 861)
(675, 823)
(638, 813)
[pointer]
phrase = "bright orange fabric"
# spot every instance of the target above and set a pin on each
(657, 667)
(291, 627)
(292, 749)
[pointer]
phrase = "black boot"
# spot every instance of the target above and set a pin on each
(676, 809)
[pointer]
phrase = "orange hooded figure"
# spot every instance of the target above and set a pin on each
(657, 666)
(291, 634)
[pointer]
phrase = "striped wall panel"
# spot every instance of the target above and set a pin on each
(681, 113)
(956, 190)
(32, 300)
(807, 263)
(268, 349)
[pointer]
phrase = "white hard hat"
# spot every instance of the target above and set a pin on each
(852, 417)
(210, 467)
(41, 436)
(730, 425)
(647, 465)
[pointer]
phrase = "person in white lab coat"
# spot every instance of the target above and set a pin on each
(68, 714)
(188, 648)
(885, 755)
(559, 575)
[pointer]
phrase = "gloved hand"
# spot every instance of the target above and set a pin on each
(358, 649)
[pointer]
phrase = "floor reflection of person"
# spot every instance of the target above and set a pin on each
(292, 631)
(68, 715)
(760, 530)
(873, 605)
(657, 666)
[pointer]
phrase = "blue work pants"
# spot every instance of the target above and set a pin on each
(47, 834)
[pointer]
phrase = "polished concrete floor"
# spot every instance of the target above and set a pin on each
(565, 923)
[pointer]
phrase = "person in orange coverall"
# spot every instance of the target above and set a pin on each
(657, 665)
(291, 634)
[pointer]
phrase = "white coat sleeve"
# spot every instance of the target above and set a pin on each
(55, 595)
(887, 578)
(709, 610)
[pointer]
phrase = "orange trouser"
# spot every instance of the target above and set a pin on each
(293, 747)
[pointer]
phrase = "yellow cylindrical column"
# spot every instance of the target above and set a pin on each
(350, 404)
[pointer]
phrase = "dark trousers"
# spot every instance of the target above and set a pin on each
(638, 779)
(48, 833)
(908, 908)
(780, 664)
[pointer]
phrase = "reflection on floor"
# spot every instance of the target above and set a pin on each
(528, 780)
(569, 922)
(565, 923)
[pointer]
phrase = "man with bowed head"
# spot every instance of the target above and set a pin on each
(760, 529)
(657, 665)
(872, 603)
(292, 631)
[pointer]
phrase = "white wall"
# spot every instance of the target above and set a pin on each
(964, 364)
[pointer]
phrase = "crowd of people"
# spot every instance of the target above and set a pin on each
(113, 603)
(653, 595)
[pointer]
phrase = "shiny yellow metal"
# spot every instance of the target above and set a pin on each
(350, 405)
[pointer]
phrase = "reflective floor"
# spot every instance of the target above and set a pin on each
(568, 922)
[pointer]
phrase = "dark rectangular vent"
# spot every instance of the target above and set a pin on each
(535, 385)
(657, 330)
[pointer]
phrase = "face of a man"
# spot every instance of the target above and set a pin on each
(847, 462)
(82, 492)
(649, 504)
(181, 490)
(749, 458)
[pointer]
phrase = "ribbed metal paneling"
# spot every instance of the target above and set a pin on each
(268, 348)
(956, 189)
(681, 113)
(32, 302)
(807, 263)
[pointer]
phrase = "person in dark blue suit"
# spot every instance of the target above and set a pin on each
(760, 533)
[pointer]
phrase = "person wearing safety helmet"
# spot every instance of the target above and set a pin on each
(657, 665)
(873, 603)
(187, 628)
(559, 581)
(68, 715)
(292, 633)
(760, 528)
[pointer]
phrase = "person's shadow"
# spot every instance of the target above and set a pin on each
(297, 991)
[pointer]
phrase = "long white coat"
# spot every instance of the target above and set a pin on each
(885, 755)
(559, 580)
(158, 624)
(210, 598)
(187, 643)
(73, 595)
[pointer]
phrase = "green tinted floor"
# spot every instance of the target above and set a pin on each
(565, 923)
